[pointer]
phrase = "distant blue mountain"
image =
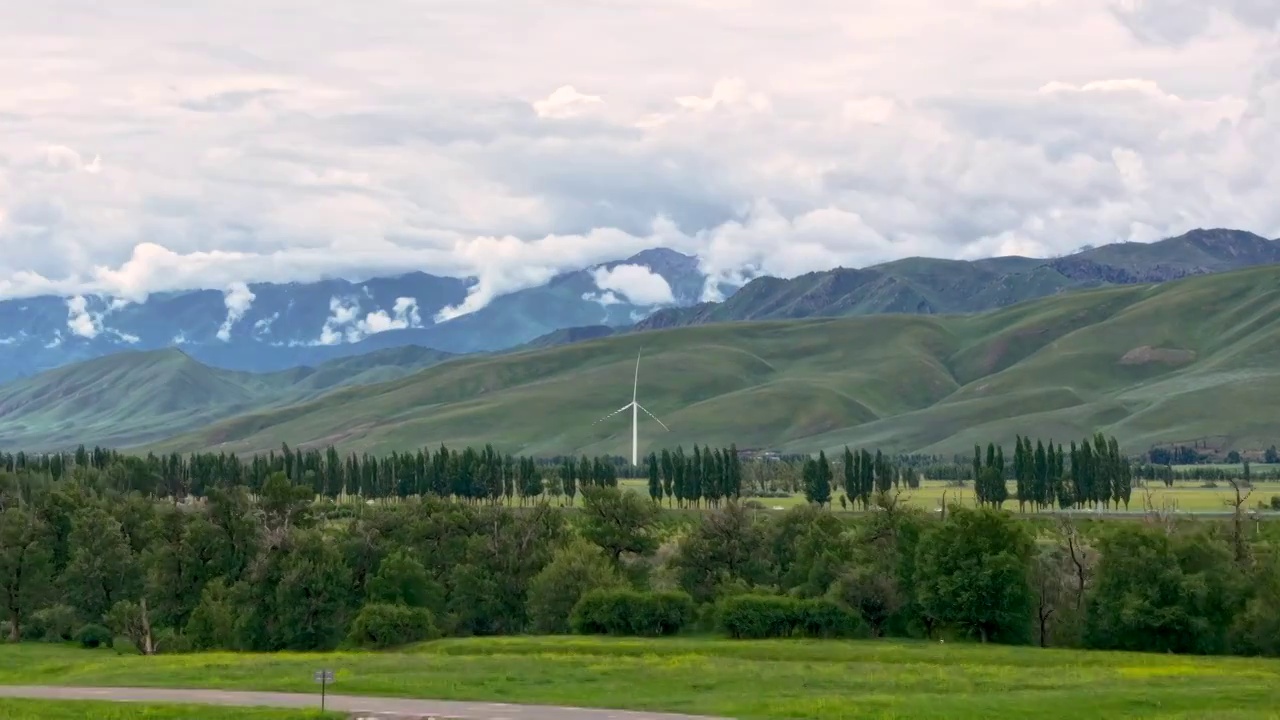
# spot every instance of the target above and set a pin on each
(293, 324)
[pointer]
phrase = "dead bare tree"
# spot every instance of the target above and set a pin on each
(1077, 553)
(1238, 543)
(1161, 515)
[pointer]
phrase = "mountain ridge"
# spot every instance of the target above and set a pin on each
(281, 327)
(1196, 359)
(936, 286)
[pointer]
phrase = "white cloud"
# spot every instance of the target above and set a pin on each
(342, 314)
(345, 324)
(783, 137)
(403, 315)
(263, 326)
(639, 284)
(565, 102)
(605, 299)
(238, 299)
(80, 321)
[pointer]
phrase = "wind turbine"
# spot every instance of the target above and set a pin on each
(635, 408)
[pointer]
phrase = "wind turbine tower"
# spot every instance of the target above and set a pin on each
(635, 407)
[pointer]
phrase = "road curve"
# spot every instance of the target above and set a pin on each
(341, 703)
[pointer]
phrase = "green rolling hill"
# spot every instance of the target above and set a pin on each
(137, 397)
(1197, 358)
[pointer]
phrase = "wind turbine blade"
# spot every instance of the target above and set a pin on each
(615, 412)
(635, 388)
(655, 417)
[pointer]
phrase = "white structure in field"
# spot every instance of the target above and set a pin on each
(635, 408)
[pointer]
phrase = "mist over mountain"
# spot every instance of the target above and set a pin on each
(270, 327)
(265, 327)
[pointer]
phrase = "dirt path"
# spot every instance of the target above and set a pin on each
(357, 706)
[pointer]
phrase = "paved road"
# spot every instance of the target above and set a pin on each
(342, 703)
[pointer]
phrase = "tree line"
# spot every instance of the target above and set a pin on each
(1193, 455)
(1092, 474)
(704, 477)
(280, 568)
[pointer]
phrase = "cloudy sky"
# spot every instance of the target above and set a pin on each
(147, 146)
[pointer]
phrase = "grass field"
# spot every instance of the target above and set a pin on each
(14, 709)
(1185, 497)
(777, 679)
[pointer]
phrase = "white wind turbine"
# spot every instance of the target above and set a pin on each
(635, 407)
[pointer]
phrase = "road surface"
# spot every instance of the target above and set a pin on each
(357, 706)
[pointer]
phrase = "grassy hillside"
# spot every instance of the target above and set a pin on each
(138, 397)
(1192, 359)
(933, 286)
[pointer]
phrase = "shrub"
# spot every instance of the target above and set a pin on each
(94, 636)
(52, 624)
(759, 616)
(381, 626)
(773, 616)
(1275, 502)
(575, 571)
(169, 642)
(828, 619)
(663, 613)
(627, 612)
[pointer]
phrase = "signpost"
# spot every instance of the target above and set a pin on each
(324, 677)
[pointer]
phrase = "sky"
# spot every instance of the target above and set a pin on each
(150, 146)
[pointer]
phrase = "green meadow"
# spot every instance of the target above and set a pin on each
(796, 679)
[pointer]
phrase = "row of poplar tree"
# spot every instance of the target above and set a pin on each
(1092, 474)
(704, 476)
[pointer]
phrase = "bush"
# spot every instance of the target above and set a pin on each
(828, 619)
(771, 616)
(52, 624)
(575, 571)
(759, 616)
(94, 635)
(381, 626)
(1275, 502)
(169, 642)
(627, 612)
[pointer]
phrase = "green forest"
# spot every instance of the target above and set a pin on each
(314, 551)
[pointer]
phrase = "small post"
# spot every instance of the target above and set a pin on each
(324, 677)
